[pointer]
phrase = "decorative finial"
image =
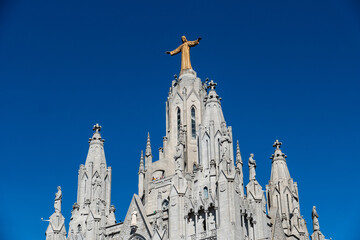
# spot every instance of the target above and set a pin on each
(148, 139)
(148, 146)
(277, 144)
(238, 154)
(97, 128)
(175, 77)
(278, 154)
(96, 134)
(142, 167)
(212, 85)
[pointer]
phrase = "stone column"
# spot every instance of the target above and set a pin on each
(196, 225)
(207, 221)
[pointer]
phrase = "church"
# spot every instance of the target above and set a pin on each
(196, 189)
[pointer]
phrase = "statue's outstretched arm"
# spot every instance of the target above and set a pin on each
(176, 51)
(194, 43)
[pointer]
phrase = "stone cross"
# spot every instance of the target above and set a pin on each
(212, 85)
(277, 144)
(97, 127)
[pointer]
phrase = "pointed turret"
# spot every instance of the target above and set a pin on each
(93, 206)
(147, 172)
(148, 146)
(283, 196)
(279, 168)
(141, 175)
(239, 162)
(216, 137)
(213, 110)
(96, 154)
(148, 157)
(142, 166)
(239, 168)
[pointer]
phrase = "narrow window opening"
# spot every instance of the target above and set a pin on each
(206, 193)
(288, 203)
(193, 123)
(178, 120)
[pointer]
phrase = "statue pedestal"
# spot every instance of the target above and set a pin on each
(187, 77)
(189, 71)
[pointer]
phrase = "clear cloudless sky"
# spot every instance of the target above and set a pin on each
(285, 69)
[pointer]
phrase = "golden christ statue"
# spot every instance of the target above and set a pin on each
(184, 48)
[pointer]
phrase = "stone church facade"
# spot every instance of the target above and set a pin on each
(195, 190)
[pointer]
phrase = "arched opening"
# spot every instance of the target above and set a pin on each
(206, 193)
(193, 122)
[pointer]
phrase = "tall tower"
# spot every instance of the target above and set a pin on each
(184, 108)
(92, 212)
(283, 197)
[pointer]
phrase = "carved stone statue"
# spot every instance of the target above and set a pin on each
(179, 157)
(225, 141)
(211, 219)
(58, 195)
(57, 202)
(252, 167)
(184, 48)
(97, 188)
(200, 224)
(191, 226)
(315, 219)
(133, 218)
(296, 220)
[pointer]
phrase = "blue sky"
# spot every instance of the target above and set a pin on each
(285, 69)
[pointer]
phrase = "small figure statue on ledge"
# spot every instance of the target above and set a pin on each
(315, 219)
(252, 167)
(133, 218)
(58, 197)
